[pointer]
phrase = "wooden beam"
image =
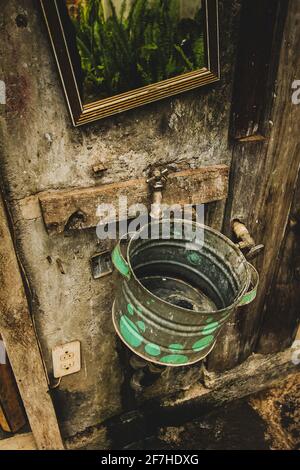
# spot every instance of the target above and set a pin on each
(12, 415)
(77, 208)
(20, 341)
(255, 61)
(19, 442)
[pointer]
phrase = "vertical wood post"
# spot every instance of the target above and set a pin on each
(21, 344)
(282, 307)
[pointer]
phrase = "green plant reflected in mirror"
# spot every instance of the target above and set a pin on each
(114, 55)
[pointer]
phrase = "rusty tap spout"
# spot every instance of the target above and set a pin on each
(157, 182)
(245, 241)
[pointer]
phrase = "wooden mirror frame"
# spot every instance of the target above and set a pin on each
(85, 113)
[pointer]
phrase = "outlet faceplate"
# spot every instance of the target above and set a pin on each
(66, 359)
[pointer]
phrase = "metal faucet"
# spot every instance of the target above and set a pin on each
(157, 183)
(246, 242)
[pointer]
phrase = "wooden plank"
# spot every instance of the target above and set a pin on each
(77, 208)
(21, 344)
(262, 186)
(94, 439)
(256, 374)
(3, 421)
(19, 442)
(282, 307)
(253, 66)
(12, 415)
(229, 349)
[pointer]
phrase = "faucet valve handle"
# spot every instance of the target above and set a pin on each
(164, 173)
(158, 178)
(254, 251)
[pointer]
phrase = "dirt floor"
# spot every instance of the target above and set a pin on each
(268, 420)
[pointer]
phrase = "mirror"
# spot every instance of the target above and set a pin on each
(114, 55)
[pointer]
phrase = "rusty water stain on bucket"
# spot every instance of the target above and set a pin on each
(175, 294)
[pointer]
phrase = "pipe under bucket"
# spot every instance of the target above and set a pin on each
(179, 284)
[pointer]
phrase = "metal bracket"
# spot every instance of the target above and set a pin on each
(101, 264)
(158, 179)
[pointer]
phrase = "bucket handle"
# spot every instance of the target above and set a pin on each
(252, 292)
(119, 260)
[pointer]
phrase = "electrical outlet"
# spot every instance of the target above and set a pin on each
(66, 359)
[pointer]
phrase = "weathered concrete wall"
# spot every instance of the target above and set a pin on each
(40, 150)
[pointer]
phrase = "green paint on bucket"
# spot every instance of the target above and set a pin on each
(130, 309)
(175, 347)
(130, 332)
(120, 263)
(203, 343)
(209, 320)
(152, 349)
(194, 257)
(174, 359)
(141, 326)
(207, 330)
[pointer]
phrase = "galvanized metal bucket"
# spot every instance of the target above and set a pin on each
(174, 294)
